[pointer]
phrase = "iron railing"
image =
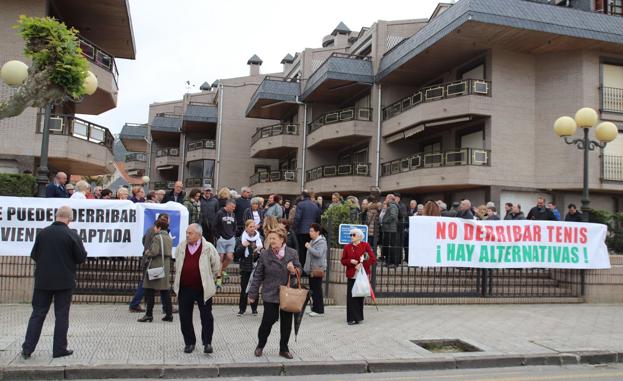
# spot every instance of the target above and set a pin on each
(612, 168)
(438, 92)
(272, 176)
(274, 130)
(171, 151)
(201, 144)
(351, 113)
(69, 125)
(99, 57)
(355, 169)
(164, 184)
(280, 79)
(136, 156)
(611, 99)
(461, 156)
(195, 182)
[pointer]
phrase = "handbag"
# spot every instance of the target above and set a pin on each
(317, 272)
(157, 272)
(292, 299)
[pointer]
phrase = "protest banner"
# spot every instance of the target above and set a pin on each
(451, 242)
(108, 228)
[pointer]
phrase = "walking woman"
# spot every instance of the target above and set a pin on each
(193, 204)
(273, 267)
(160, 250)
(248, 250)
(315, 267)
(355, 255)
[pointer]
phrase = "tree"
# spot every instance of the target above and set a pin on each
(58, 71)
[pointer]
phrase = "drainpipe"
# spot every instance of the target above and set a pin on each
(304, 130)
(182, 156)
(219, 134)
(148, 161)
(378, 141)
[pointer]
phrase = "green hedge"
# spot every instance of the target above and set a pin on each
(17, 185)
(332, 218)
(614, 222)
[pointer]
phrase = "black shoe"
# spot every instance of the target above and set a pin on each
(146, 319)
(66, 352)
(189, 349)
(240, 313)
(258, 352)
(137, 309)
(286, 355)
(168, 318)
(254, 313)
(25, 355)
(352, 323)
(208, 348)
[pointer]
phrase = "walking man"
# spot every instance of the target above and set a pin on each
(307, 213)
(225, 226)
(56, 252)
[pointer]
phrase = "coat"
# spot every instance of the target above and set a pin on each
(209, 207)
(56, 191)
(270, 273)
(316, 255)
(390, 219)
(307, 213)
(577, 217)
(194, 211)
(170, 196)
(542, 214)
(355, 252)
(56, 252)
(242, 204)
(246, 261)
(372, 219)
(513, 216)
(248, 215)
(274, 210)
(209, 267)
(154, 259)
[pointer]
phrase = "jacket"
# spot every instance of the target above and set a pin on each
(390, 219)
(541, 214)
(209, 207)
(154, 256)
(270, 273)
(56, 191)
(316, 255)
(513, 216)
(274, 210)
(242, 204)
(493, 217)
(307, 213)
(372, 219)
(577, 217)
(355, 252)
(209, 267)
(56, 252)
(246, 261)
(292, 241)
(194, 211)
(465, 214)
(170, 196)
(248, 215)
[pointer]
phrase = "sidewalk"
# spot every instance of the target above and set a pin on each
(107, 335)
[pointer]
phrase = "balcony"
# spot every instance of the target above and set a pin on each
(78, 146)
(280, 182)
(275, 98)
(339, 178)
(438, 102)
(199, 116)
(204, 149)
(197, 182)
(397, 174)
(168, 158)
(275, 141)
(611, 168)
(136, 163)
(166, 125)
(164, 185)
(103, 65)
(341, 76)
(612, 103)
(134, 137)
(345, 126)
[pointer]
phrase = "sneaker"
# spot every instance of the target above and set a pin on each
(225, 275)
(219, 283)
(315, 314)
(240, 313)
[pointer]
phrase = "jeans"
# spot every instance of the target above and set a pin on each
(138, 295)
(41, 301)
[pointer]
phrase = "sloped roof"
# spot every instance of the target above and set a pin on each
(340, 28)
(205, 86)
(287, 59)
(255, 60)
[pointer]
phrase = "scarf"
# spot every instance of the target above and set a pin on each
(279, 253)
(257, 239)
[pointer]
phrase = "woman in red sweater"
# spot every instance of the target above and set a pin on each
(355, 255)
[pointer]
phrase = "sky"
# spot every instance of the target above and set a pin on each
(203, 40)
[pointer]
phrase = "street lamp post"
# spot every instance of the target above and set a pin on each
(605, 132)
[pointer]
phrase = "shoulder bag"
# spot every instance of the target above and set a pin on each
(157, 272)
(292, 299)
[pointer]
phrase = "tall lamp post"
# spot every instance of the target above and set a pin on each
(605, 132)
(14, 73)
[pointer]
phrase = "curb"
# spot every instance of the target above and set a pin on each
(304, 368)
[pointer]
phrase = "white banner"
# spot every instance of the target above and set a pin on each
(452, 242)
(108, 228)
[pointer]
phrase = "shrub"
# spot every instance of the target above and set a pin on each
(331, 220)
(614, 222)
(17, 185)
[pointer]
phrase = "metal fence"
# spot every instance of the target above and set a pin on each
(108, 276)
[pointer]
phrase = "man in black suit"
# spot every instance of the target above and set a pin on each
(176, 194)
(56, 189)
(56, 252)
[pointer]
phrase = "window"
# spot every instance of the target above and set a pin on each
(262, 168)
(201, 169)
(615, 147)
(473, 140)
(361, 156)
(287, 165)
(612, 76)
(476, 72)
(432, 147)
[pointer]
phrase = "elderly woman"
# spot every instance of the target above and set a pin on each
(158, 255)
(356, 254)
(248, 250)
(271, 272)
(82, 188)
(138, 194)
(122, 193)
(193, 204)
(255, 213)
(315, 266)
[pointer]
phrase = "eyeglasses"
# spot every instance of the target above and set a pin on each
(353, 235)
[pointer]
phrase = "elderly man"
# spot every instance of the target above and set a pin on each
(243, 203)
(390, 226)
(196, 266)
(177, 194)
(56, 252)
(160, 194)
(540, 212)
(56, 189)
(209, 208)
(465, 210)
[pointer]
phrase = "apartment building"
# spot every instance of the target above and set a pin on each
(77, 146)
(459, 105)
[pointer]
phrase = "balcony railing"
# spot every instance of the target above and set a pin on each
(69, 125)
(164, 185)
(356, 169)
(438, 92)
(197, 182)
(135, 157)
(201, 144)
(272, 176)
(99, 57)
(275, 130)
(173, 151)
(461, 156)
(351, 113)
(612, 168)
(611, 99)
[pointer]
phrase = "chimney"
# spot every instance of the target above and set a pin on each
(340, 35)
(287, 62)
(254, 65)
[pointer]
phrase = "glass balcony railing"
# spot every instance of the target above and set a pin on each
(461, 156)
(351, 113)
(201, 144)
(69, 125)
(99, 56)
(275, 130)
(436, 93)
(174, 151)
(135, 157)
(272, 176)
(355, 169)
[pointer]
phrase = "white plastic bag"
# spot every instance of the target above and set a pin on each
(361, 288)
